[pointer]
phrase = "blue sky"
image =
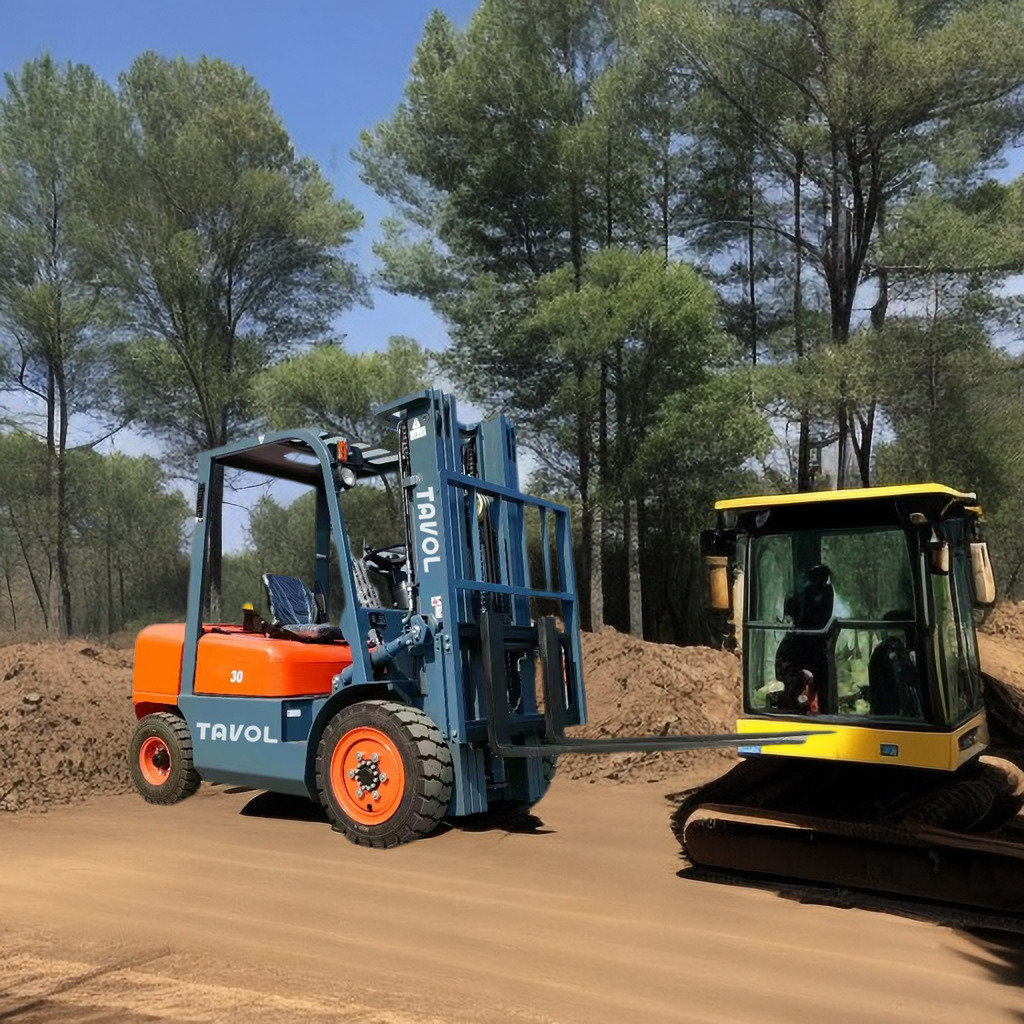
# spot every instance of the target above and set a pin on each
(332, 69)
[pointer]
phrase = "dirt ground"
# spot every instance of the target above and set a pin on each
(236, 905)
(232, 906)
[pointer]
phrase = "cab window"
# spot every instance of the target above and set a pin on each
(831, 626)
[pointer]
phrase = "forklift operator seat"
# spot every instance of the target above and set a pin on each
(294, 611)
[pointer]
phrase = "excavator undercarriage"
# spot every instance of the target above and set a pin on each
(956, 839)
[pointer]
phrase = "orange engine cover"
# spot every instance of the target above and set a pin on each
(234, 663)
(239, 664)
(156, 675)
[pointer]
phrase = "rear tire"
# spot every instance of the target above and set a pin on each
(160, 756)
(383, 773)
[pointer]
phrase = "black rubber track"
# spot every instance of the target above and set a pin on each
(864, 827)
(428, 771)
(182, 779)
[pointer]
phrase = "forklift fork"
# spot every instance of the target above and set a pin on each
(553, 740)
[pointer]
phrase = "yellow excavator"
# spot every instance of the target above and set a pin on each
(855, 610)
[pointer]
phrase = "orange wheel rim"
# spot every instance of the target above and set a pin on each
(367, 776)
(154, 761)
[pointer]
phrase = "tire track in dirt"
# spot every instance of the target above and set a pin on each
(125, 993)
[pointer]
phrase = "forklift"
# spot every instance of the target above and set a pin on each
(428, 679)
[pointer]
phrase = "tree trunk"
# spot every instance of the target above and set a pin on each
(803, 466)
(10, 598)
(596, 567)
(842, 444)
(61, 543)
(597, 537)
(803, 448)
(109, 559)
(665, 199)
(586, 514)
(42, 595)
(862, 445)
(609, 211)
(751, 264)
(631, 529)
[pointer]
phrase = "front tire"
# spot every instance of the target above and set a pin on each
(384, 773)
(160, 755)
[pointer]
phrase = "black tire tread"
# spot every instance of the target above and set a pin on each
(188, 779)
(434, 778)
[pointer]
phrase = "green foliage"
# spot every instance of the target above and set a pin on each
(126, 546)
(328, 388)
(954, 406)
(280, 539)
(702, 435)
(804, 149)
(228, 246)
(964, 231)
(552, 168)
(695, 454)
(637, 364)
(27, 525)
(55, 128)
(493, 159)
(850, 110)
(55, 125)
(129, 560)
(636, 326)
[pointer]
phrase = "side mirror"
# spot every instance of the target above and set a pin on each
(718, 582)
(938, 553)
(718, 548)
(984, 578)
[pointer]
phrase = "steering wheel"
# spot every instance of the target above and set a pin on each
(389, 559)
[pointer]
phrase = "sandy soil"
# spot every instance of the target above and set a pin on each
(240, 906)
(237, 907)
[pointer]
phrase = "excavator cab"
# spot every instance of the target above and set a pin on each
(855, 608)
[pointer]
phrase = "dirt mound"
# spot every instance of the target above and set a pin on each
(65, 717)
(1006, 619)
(1001, 647)
(65, 710)
(636, 688)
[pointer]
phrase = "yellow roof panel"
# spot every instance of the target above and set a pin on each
(849, 494)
